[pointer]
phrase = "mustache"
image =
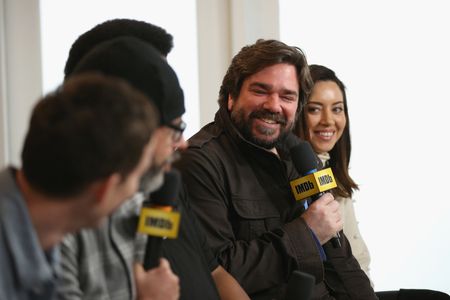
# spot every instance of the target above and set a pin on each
(265, 114)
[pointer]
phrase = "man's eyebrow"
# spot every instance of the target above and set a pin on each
(268, 87)
(289, 92)
(261, 85)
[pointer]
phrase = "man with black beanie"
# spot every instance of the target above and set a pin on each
(97, 263)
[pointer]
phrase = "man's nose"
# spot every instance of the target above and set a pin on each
(273, 103)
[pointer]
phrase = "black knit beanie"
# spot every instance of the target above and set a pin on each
(143, 67)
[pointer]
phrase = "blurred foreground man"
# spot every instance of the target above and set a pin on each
(87, 146)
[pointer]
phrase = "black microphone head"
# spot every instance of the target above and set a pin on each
(166, 195)
(304, 157)
(300, 286)
(291, 140)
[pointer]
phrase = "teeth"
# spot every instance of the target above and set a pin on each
(268, 121)
(326, 134)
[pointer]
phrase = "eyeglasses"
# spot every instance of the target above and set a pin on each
(177, 130)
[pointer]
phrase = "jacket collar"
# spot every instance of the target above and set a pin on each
(324, 158)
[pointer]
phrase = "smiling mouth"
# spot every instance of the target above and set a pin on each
(268, 121)
(268, 117)
(327, 134)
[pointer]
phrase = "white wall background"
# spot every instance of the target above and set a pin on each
(20, 73)
(207, 29)
(62, 21)
(393, 57)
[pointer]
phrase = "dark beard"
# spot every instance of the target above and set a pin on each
(244, 127)
(153, 179)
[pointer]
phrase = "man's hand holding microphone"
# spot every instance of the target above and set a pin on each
(322, 214)
(159, 220)
(324, 218)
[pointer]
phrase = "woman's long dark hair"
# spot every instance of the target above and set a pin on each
(340, 154)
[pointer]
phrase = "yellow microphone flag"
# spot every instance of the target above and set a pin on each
(160, 223)
(312, 184)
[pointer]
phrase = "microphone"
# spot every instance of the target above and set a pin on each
(300, 286)
(313, 183)
(158, 219)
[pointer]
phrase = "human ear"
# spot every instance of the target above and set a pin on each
(104, 187)
(230, 102)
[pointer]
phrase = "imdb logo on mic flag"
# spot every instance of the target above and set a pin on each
(160, 223)
(313, 184)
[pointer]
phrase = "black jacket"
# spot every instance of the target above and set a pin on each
(242, 196)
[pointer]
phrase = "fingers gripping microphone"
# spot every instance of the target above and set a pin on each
(313, 183)
(158, 220)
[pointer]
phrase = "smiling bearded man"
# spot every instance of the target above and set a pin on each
(238, 169)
